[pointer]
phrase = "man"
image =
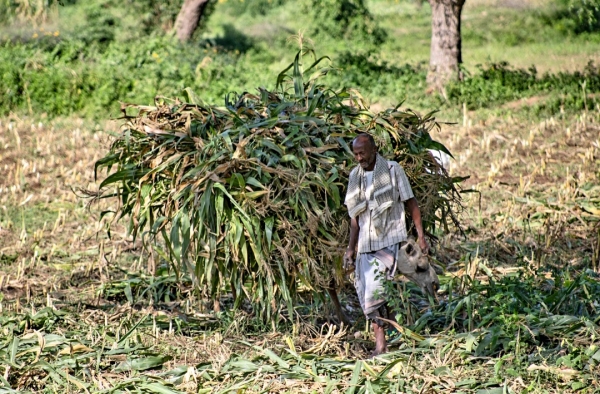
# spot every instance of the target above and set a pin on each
(378, 190)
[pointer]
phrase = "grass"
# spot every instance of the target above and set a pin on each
(491, 33)
(501, 31)
(70, 294)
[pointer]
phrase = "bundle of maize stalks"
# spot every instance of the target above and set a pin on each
(249, 198)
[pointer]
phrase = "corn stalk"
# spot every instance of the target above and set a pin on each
(249, 198)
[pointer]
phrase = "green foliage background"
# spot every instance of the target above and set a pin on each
(103, 52)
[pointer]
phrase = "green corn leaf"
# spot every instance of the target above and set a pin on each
(132, 330)
(297, 76)
(120, 176)
(355, 378)
(14, 347)
(157, 388)
(142, 364)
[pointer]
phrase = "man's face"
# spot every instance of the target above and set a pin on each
(364, 153)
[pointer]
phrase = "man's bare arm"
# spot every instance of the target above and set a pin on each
(415, 214)
(349, 255)
(354, 228)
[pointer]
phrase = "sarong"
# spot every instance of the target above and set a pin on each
(371, 270)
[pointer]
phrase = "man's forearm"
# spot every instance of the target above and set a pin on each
(415, 214)
(354, 228)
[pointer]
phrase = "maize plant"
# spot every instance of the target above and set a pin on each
(248, 198)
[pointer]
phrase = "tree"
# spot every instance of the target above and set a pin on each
(189, 17)
(446, 55)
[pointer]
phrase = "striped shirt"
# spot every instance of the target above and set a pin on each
(368, 241)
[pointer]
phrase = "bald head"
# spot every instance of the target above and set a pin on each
(364, 138)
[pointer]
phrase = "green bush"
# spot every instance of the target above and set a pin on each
(574, 16)
(72, 78)
(493, 84)
(499, 83)
(61, 77)
(381, 79)
(343, 19)
(100, 25)
(109, 59)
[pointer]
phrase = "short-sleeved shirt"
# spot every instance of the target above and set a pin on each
(368, 240)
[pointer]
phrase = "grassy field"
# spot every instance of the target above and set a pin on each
(79, 312)
(518, 308)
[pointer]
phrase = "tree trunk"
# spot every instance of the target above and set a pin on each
(189, 17)
(446, 54)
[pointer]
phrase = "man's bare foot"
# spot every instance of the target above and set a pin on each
(378, 351)
(380, 344)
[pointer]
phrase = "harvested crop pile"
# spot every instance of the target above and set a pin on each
(249, 198)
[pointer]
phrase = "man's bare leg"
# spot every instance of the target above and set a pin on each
(391, 315)
(380, 344)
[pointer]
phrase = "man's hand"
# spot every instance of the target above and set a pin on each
(423, 245)
(415, 214)
(349, 260)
